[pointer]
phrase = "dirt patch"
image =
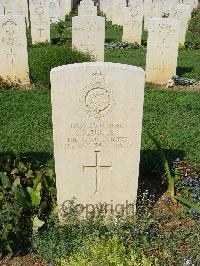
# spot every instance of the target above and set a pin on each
(191, 88)
(27, 260)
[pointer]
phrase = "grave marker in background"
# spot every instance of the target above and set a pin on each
(132, 29)
(65, 8)
(162, 49)
(54, 11)
(97, 111)
(88, 35)
(21, 8)
(2, 10)
(87, 8)
(192, 3)
(118, 11)
(13, 49)
(40, 21)
(183, 14)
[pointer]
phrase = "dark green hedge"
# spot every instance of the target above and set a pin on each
(43, 59)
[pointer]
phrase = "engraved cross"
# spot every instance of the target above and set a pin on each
(40, 31)
(11, 54)
(97, 167)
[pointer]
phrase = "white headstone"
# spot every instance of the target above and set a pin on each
(13, 49)
(16, 7)
(108, 9)
(183, 14)
(65, 7)
(168, 7)
(2, 10)
(54, 11)
(97, 111)
(118, 12)
(87, 10)
(86, 2)
(88, 35)
(147, 13)
(192, 3)
(132, 29)
(162, 49)
(21, 8)
(8, 5)
(40, 20)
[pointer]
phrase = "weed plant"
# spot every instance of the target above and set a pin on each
(145, 239)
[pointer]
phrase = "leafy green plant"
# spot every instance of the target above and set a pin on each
(171, 181)
(187, 182)
(106, 251)
(27, 195)
(194, 25)
(166, 166)
(46, 58)
(61, 33)
(119, 240)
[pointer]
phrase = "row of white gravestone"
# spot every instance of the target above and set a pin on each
(131, 17)
(88, 35)
(114, 9)
(13, 41)
(42, 13)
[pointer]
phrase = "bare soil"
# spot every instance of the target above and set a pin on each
(27, 260)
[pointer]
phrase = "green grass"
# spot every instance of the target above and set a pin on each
(25, 119)
(25, 116)
(188, 60)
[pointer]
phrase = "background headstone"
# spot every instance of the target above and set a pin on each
(54, 11)
(40, 21)
(162, 49)
(65, 8)
(2, 9)
(97, 111)
(106, 6)
(132, 29)
(13, 49)
(8, 5)
(183, 14)
(88, 35)
(87, 9)
(118, 12)
(192, 3)
(21, 8)
(16, 7)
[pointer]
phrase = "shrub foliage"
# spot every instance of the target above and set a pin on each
(43, 59)
(27, 195)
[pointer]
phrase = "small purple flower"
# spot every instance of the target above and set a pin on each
(178, 185)
(194, 212)
(167, 200)
(169, 216)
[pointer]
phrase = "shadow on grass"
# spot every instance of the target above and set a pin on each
(182, 70)
(42, 158)
(108, 40)
(152, 170)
